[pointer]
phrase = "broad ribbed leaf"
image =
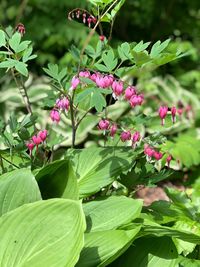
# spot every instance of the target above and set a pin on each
(42, 234)
(58, 180)
(111, 212)
(17, 188)
(149, 252)
(103, 247)
(98, 167)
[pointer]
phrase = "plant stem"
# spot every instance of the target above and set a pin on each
(73, 120)
(82, 118)
(92, 33)
(21, 10)
(9, 162)
(23, 92)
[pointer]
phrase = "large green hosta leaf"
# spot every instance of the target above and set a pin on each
(103, 247)
(17, 188)
(57, 179)
(149, 252)
(111, 212)
(42, 234)
(98, 167)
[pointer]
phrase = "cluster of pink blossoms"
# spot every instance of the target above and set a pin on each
(118, 88)
(62, 104)
(163, 110)
(104, 125)
(152, 153)
(36, 140)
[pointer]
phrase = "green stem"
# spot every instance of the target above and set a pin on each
(71, 100)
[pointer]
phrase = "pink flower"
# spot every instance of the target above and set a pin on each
(113, 130)
(180, 111)
(43, 135)
(125, 136)
(94, 76)
(168, 160)
(173, 112)
(117, 87)
(108, 80)
(136, 137)
(104, 125)
(157, 155)
(85, 74)
(30, 146)
(75, 82)
(148, 150)
(100, 81)
(55, 115)
(136, 100)
(89, 20)
(36, 140)
(162, 113)
(63, 103)
(129, 92)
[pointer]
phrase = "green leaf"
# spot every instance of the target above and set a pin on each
(24, 133)
(90, 51)
(97, 100)
(45, 233)
(183, 246)
(2, 38)
(124, 51)
(186, 262)
(158, 47)
(13, 123)
(101, 67)
(14, 42)
(52, 71)
(28, 120)
(21, 67)
(109, 60)
(17, 188)
(111, 213)
(27, 54)
(22, 46)
(103, 247)
(183, 202)
(9, 63)
(151, 252)
(141, 46)
(98, 167)
(82, 95)
(57, 179)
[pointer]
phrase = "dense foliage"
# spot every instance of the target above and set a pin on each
(89, 114)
